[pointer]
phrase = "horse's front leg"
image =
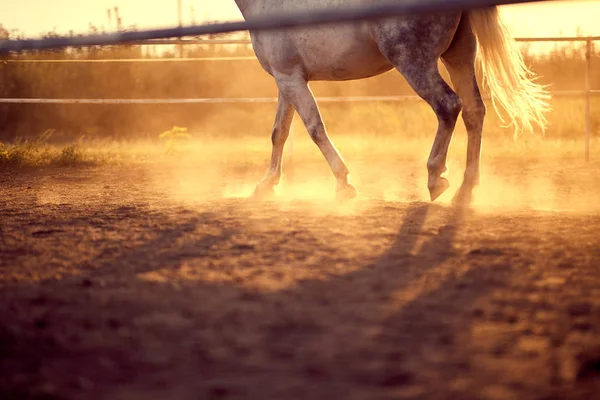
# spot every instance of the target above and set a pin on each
(281, 131)
(296, 90)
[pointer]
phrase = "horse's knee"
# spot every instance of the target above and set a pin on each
(448, 108)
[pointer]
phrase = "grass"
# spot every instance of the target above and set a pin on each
(251, 151)
(25, 153)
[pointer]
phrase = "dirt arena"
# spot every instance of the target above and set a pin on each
(160, 280)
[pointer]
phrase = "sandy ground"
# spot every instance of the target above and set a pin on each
(124, 283)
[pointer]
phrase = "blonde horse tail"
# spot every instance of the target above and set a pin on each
(511, 84)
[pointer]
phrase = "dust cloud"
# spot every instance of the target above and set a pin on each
(546, 176)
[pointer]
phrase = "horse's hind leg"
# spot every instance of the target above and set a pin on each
(281, 131)
(459, 60)
(297, 92)
(422, 74)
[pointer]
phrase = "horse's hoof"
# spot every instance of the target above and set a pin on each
(263, 192)
(439, 187)
(345, 192)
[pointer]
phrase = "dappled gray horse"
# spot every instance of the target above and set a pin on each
(413, 45)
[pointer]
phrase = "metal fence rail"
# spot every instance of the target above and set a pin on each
(127, 60)
(160, 42)
(327, 15)
(233, 100)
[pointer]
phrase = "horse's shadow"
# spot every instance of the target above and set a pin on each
(393, 288)
(381, 326)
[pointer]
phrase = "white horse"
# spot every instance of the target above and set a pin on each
(413, 45)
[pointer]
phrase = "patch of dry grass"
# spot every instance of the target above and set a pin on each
(25, 153)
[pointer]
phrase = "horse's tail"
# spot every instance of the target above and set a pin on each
(511, 84)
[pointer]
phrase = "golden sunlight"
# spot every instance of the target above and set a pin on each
(136, 263)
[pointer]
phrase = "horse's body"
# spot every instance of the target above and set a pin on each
(411, 44)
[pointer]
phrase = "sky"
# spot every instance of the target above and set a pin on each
(33, 17)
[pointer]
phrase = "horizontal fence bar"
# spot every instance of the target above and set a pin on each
(226, 42)
(325, 15)
(232, 100)
(214, 100)
(240, 58)
(159, 42)
(559, 39)
(129, 60)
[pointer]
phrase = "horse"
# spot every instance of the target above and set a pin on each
(412, 44)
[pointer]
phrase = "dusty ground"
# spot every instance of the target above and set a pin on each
(120, 283)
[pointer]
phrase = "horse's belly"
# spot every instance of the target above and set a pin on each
(342, 54)
(339, 67)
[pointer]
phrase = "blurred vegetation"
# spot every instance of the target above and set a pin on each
(174, 139)
(38, 152)
(563, 68)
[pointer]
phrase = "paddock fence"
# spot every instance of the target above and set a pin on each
(160, 37)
